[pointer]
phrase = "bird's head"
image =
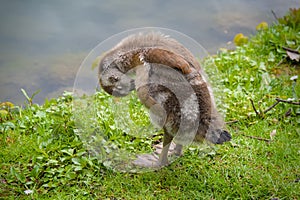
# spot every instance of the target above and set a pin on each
(113, 80)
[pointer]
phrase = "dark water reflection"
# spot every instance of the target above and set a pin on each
(44, 42)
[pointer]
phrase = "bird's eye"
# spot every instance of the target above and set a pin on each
(113, 79)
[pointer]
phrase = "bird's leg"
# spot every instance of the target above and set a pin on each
(153, 160)
(163, 157)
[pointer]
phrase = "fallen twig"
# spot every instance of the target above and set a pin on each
(271, 107)
(278, 100)
(257, 138)
(287, 101)
(252, 103)
(291, 50)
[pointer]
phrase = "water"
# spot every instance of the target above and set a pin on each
(44, 42)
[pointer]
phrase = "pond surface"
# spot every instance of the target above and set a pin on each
(44, 42)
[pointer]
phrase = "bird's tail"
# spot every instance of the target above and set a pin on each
(218, 136)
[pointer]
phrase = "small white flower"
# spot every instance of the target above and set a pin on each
(28, 192)
(291, 99)
(294, 78)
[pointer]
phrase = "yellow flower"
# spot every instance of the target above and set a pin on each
(6, 104)
(240, 39)
(262, 26)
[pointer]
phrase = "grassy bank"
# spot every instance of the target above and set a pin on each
(42, 156)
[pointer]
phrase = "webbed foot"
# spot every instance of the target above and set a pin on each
(156, 159)
(148, 160)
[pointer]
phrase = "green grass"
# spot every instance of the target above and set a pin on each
(41, 148)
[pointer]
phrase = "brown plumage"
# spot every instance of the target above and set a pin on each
(170, 82)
